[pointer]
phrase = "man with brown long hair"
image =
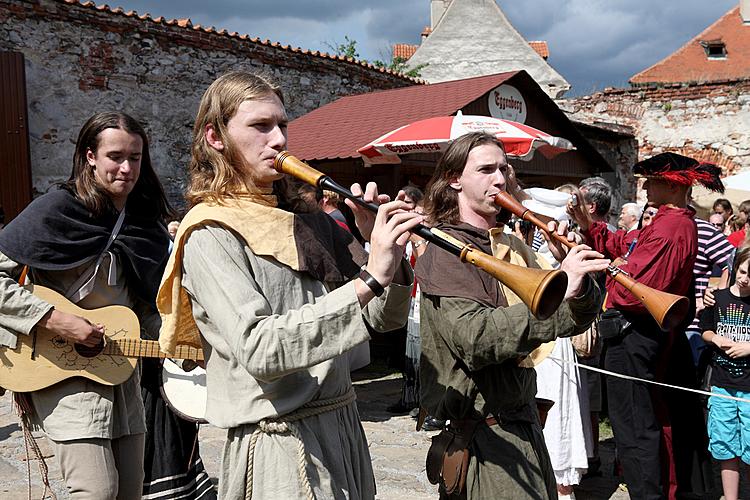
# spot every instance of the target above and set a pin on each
(99, 240)
(472, 338)
(279, 297)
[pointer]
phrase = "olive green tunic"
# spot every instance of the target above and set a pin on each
(469, 368)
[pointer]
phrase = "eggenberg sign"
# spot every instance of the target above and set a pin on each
(506, 102)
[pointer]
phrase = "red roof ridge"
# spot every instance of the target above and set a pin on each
(187, 24)
(685, 46)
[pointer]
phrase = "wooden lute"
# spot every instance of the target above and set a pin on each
(43, 359)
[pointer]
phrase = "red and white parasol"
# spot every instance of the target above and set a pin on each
(435, 134)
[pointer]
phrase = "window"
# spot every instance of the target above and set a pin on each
(715, 49)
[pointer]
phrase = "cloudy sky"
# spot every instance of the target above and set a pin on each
(593, 43)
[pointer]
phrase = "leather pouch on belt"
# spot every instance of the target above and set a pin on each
(434, 466)
(448, 460)
(455, 467)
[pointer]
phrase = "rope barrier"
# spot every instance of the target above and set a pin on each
(636, 379)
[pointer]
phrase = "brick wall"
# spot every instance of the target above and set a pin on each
(81, 59)
(710, 122)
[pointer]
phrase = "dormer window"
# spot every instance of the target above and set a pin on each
(715, 49)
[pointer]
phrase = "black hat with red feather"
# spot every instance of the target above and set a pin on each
(679, 169)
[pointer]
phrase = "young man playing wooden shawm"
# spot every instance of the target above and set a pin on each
(278, 297)
(472, 339)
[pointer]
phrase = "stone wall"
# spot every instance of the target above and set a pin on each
(81, 58)
(710, 122)
(618, 146)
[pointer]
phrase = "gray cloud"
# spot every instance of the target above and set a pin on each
(597, 43)
(593, 43)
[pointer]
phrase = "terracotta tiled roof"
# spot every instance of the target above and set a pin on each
(404, 50)
(541, 48)
(338, 129)
(187, 24)
(691, 64)
(426, 31)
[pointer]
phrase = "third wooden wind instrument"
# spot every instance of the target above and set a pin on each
(666, 308)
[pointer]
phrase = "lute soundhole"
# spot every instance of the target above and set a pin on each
(89, 352)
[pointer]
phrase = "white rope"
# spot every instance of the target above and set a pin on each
(636, 379)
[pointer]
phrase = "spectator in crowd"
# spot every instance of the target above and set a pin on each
(723, 208)
(630, 214)
(330, 205)
(724, 326)
(649, 212)
(714, 250)
(733, 224)
(738, 236)
(717, 221)
(597, 195)
(309, 195)
(567, 427)
(413, 194)
(172, 228)
(409, 398)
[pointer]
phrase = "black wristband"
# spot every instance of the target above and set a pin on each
(371, 282)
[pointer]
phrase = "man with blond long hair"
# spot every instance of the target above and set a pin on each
(475, 330)
(279, 297)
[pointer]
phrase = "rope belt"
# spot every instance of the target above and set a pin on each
(285, 424)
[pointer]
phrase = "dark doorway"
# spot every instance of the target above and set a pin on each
(15, 159)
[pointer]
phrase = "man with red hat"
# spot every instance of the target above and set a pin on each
(659, 449)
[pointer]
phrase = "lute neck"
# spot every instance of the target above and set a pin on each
(137, 348)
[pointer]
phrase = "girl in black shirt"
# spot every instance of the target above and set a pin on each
(726, 328)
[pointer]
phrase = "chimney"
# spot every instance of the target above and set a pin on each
(744, 11)
(438, 7)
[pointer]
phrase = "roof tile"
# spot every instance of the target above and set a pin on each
(691, 64)
(541, 48)
(404, 50)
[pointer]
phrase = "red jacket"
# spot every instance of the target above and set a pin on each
(663, 257)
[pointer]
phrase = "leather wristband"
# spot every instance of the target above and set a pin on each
(371, 282)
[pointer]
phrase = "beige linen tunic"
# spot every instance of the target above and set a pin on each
(76, 408)
(274, 340)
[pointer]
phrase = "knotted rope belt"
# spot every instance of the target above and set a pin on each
(285, 424)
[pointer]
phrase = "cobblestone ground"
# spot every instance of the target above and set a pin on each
(397, 451)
